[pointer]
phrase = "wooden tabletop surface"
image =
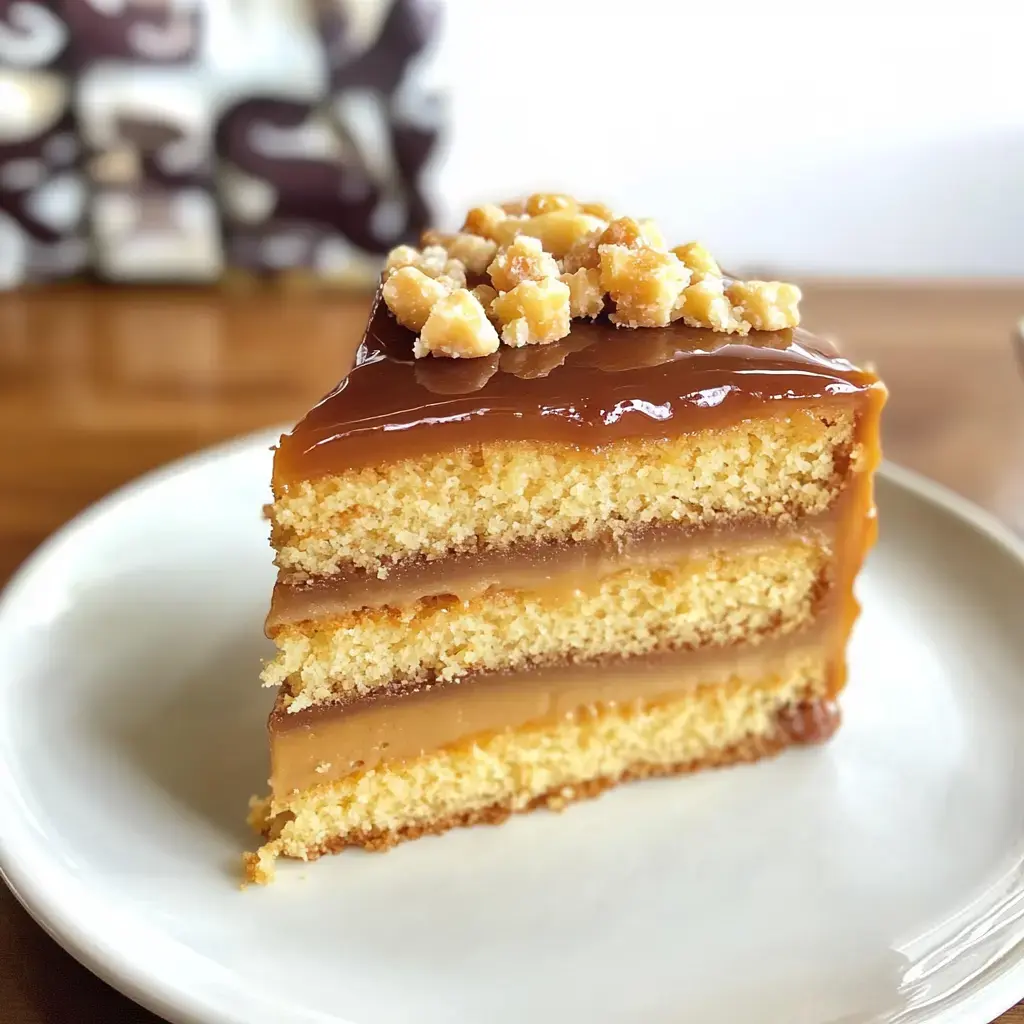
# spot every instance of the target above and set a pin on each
(98, 386)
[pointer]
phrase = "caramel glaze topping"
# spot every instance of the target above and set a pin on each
(598, 385)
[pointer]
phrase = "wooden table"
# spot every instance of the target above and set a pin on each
(98, 386)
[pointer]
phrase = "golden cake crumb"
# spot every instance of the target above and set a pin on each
(753, 592)
(783, 468)
(519, 770)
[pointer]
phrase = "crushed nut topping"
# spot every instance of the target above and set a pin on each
(586, 296)
(560, 230)
(633, 234)
(472, 251)
(523, 259)
(548, 202)
(766, 305)
(550, 259)
(533, 313)
(434, 261)
(484, 220)
(705, 304)
(643, 283)
(411, 295)
(457, 327)
(700, 262)
(598, 210)
(485, 295)
(583, 254)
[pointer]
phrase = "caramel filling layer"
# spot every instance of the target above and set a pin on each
(328, 742)
(564, 568)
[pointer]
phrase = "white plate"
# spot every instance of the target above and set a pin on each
(877, 878)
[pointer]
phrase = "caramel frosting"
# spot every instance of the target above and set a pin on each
(328, 742)
(598, 385)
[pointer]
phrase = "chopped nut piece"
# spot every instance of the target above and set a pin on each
(410, 295)
(644, 284)
(699, 260)
(633, 234)
(533, 313)
(434, 261)
(473, 251)
(766, 305)
(598, 210)
(485, 295)
(484, 220)
(704, 304)
(548, 202)
(623, 231)
(651, 231)
(401, 256)
(586, 297)
(560, 230)
(457, 327)
(510, 228)
(524, 259)
(583, 254)
(454, 275)
(433, 237)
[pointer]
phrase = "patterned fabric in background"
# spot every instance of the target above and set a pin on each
(175, 140)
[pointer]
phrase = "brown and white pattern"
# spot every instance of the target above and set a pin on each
(265, 135)
(42, 192)
(148, 140)
(331, 179)
(149, 32)
(32, 34)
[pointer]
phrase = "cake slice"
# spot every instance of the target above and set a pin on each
(585, 510)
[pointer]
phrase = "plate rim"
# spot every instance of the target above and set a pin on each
(176, 1002)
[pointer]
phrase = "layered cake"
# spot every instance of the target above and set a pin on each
(586, 510)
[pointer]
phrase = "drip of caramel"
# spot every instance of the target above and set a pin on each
(598, 385)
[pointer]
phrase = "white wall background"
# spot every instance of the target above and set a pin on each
(881, 143)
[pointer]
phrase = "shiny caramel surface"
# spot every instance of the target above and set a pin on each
(598, 385)
(98, 386)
